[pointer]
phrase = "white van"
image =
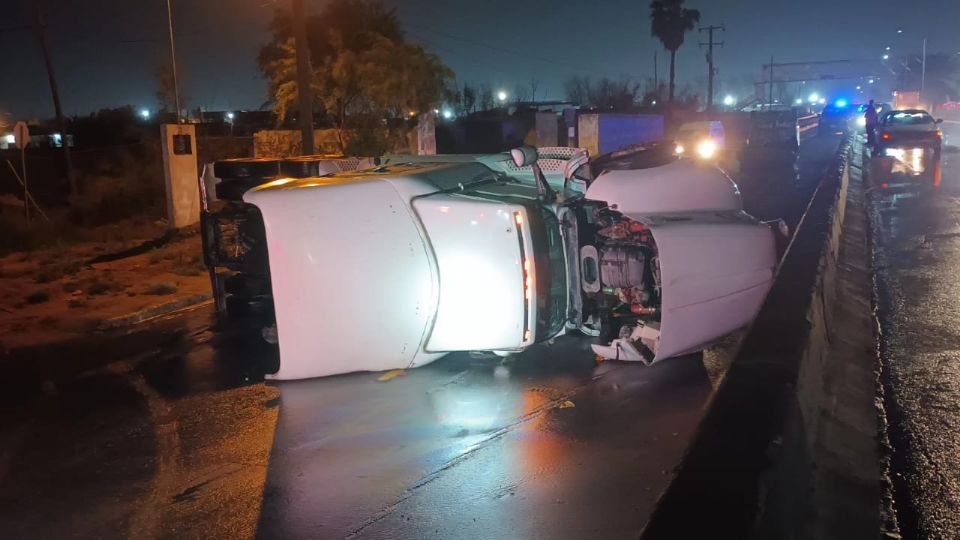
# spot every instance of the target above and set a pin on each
(704, 140)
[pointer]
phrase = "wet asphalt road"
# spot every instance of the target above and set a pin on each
(917, 258)
(179, 437)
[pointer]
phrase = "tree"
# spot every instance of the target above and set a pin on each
(604, 94)
(534, 84)
(365, 73)
(468, 98)
(166, 89)
(669, 22)
(485, 98)
(578, 90)
(941, 82)
(520, 94)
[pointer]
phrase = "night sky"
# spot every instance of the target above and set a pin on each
(106, 51)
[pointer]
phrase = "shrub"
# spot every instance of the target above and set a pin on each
(162, 289)
(100, 285)
(38, 297)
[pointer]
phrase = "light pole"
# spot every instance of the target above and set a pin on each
(923, 69)
(173, 61)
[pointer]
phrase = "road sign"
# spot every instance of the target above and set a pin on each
(21, 135)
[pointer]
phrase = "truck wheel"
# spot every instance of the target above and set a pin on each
(242, 307)
(247, 285)
(246, 168)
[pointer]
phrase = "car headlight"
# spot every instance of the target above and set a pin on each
(707, 148)
(679, 149)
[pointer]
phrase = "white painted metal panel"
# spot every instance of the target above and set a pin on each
(477, 248)
(681, 186)
(715, 277)
(352, 278)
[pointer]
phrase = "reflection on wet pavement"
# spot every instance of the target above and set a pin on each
(916, 220)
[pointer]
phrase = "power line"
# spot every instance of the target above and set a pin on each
(712, 71)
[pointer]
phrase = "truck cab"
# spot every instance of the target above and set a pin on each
(398, 265)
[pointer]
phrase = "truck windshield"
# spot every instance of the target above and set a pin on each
(551, 272)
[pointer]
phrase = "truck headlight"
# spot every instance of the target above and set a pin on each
(861, 121)
(707, 148)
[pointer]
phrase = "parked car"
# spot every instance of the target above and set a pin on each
(398, 265)
(909, 129)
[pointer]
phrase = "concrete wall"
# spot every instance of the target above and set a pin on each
(548, 129)
(790, 447)
(180, 174)
(602, 133)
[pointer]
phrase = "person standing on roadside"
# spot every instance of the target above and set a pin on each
(870, 120)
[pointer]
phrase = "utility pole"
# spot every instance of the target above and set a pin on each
(304, 76)
(41, 29)
(656, 78)
(709, 44)
(923, 69)
(173, 61)
(770, 103)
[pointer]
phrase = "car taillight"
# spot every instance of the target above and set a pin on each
(885, 136)
(939, 134)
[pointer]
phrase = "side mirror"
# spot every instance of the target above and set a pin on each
(524, 156)
(939, 120)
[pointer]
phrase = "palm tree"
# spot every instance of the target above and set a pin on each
(669, 21)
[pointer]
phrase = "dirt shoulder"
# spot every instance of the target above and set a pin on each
(55, 294)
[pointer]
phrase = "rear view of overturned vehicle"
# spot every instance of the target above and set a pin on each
(398, 265)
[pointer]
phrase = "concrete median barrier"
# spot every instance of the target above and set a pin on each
(790, 445)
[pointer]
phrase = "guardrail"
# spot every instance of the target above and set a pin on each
(806, 123)
(752, 470)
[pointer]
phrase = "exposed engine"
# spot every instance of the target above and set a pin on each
(620, 274)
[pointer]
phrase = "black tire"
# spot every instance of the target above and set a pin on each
(243, 307)
(301, 167)
(247, 285)
(246, 168)
(233, 189)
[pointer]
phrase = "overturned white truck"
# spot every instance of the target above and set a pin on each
(398, 265)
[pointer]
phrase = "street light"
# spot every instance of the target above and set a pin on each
(501, 96)
(886, 57)
(145, 114)
(870, 81)
(728, 100)
(888, 48)
(229, 116)
(447, 114)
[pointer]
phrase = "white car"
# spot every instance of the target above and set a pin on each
(399, 265)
